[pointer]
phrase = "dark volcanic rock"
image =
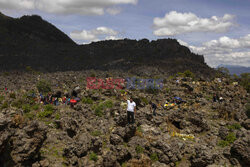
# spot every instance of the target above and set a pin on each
(240, 150)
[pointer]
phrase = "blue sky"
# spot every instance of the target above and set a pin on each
(224, 39)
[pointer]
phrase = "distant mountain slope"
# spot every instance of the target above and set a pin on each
(31, 41)
(236, 69)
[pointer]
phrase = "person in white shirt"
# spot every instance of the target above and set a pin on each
(131, 110)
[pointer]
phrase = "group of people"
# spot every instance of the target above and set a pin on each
(58, 99)
(131, 109)
(216, 98)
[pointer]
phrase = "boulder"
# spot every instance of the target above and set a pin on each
(240, 150)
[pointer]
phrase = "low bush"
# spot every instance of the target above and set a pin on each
(12, 95)
(188, 73)
(26, 108)
(96, 133)
(223, 143)
(48, 111)
(108, 104)
(230, 138)
(234, 126)
(87, 100)
(154, 157)
(139, 149)
(57, 116)
(43, 86)
(145, 100)
(30, 115)
(98, 111)
(101, 106)
(5, 105)
(35, 107)
(1, 99)
(93, 156)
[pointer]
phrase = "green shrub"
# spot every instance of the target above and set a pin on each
(234, 126)
(171, 77)
(122, 91)
(29, 115)
(139, 149)
(188, 73)
(87, 100)
(96, 133)
(57, 116)
(98, 111)
(101, 106)
(35, 107)
(43, 86)
(18, 103)
(124, 164)
(145, 100)
(108, 104)
(139, 129)
(1, 99)
(223, 143)
(154, 157)
(12, 95)
(6, 73)
(230, 138)
(93, 75)
(167, 90)
(180, 74)
(5, 105)
(26, 108)
(28, 69)
(48, 111)
(93, 156)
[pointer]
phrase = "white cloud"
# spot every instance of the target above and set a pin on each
(83, 7)
(114, 11)
(97, 34)
(174, 23)
(112, 38)
(225, 50)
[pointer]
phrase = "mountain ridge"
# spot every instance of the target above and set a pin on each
(32, 41)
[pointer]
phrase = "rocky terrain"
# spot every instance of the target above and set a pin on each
(95, 132)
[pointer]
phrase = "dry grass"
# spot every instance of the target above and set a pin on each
(143, 162)
(18, 119)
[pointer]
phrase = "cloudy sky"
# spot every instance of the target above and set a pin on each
(217, 29)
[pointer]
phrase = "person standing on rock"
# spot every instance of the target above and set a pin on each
(153, 108)
(131, 110)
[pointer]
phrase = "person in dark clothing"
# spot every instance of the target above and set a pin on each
(74, 93)
(153, 108)
(215, 98)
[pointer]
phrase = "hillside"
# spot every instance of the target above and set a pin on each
(32, 41)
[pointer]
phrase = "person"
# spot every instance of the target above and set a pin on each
(131, 110)
(153, 108)
(215, 98)
(221, 99)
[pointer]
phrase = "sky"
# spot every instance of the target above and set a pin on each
(217, 29)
